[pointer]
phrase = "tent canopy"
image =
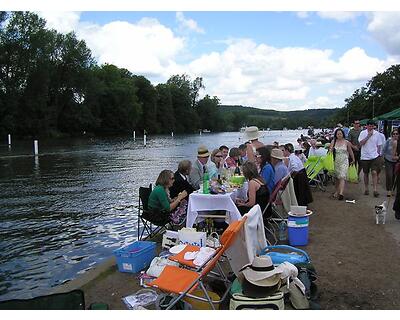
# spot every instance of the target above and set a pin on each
(392, 115)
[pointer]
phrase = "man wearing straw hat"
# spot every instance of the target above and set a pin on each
(199, 166)
(252, 134)
(281, 170)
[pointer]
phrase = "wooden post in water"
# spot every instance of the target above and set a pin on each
(144, 138)
(9, 140)
(35, 147)
(172, 134)
(134, 135)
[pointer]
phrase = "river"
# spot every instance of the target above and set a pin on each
(69, 208)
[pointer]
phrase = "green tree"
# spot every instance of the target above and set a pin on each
(147, 97)
(165, 110)
(207, 110)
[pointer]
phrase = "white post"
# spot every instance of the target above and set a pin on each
(172, 134)
(9, 139)
(144, 139)
(134, 135)
(200, 132)
(36, 147)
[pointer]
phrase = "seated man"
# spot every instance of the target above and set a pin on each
(199, 167)
(181, 181)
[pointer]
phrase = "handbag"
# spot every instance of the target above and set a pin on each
(213, 240)
(158, 264)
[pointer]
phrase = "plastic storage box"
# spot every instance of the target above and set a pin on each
(136, 256)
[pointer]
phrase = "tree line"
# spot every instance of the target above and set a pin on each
(50, 85)
(381, 94)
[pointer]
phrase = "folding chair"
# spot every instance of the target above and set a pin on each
(316, 174)
(153, 221)
(182, 282)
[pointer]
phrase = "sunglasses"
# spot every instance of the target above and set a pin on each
(218, 156)
(395, 134)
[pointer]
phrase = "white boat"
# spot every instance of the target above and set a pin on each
(299, 128)
(284, 129)
(206, 131)
(242, 129)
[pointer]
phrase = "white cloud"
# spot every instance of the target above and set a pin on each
(303, 14)
(340, 16)
(63, 22)
(384, 27)
(264, 76)
(146, 47)
(187, 24)
(245, 72)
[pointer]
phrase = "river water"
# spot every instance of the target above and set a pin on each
(69, 208)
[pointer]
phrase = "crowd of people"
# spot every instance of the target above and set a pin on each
(264, 166)
(368, 149)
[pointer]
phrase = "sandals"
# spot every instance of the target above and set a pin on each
(376, 194)
(341, 197)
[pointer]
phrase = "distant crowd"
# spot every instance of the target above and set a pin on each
(264, 166)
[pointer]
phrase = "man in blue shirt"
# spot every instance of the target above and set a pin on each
(281, 170)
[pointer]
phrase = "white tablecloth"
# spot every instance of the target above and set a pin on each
(210, 202)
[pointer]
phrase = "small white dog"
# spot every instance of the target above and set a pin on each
(380, 213)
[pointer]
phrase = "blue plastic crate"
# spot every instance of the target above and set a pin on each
(136, 256)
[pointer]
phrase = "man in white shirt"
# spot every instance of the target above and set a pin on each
(371, 143)
(317, 149)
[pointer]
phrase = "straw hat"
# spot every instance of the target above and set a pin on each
(202, 152)
(251, 133)
(277, 154)
(261, 272)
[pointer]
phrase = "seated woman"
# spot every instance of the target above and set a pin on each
(160, 201)
(233, 160)
(263, 156)
(216, 165)
(258, 191)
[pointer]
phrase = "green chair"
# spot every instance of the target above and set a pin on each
(316, 174)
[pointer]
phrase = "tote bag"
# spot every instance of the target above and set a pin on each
(329, 162)
(352, 175)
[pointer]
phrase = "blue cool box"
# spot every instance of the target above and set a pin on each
(136, 256)
(298, 231)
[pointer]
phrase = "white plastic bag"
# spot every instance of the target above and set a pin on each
(158, 264)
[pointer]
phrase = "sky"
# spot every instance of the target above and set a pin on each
(282, 60)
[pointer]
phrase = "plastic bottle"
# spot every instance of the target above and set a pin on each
(282, 231)
(206, 182)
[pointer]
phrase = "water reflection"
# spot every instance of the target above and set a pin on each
(71, 206)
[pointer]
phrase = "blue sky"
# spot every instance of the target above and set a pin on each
(284, 60)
